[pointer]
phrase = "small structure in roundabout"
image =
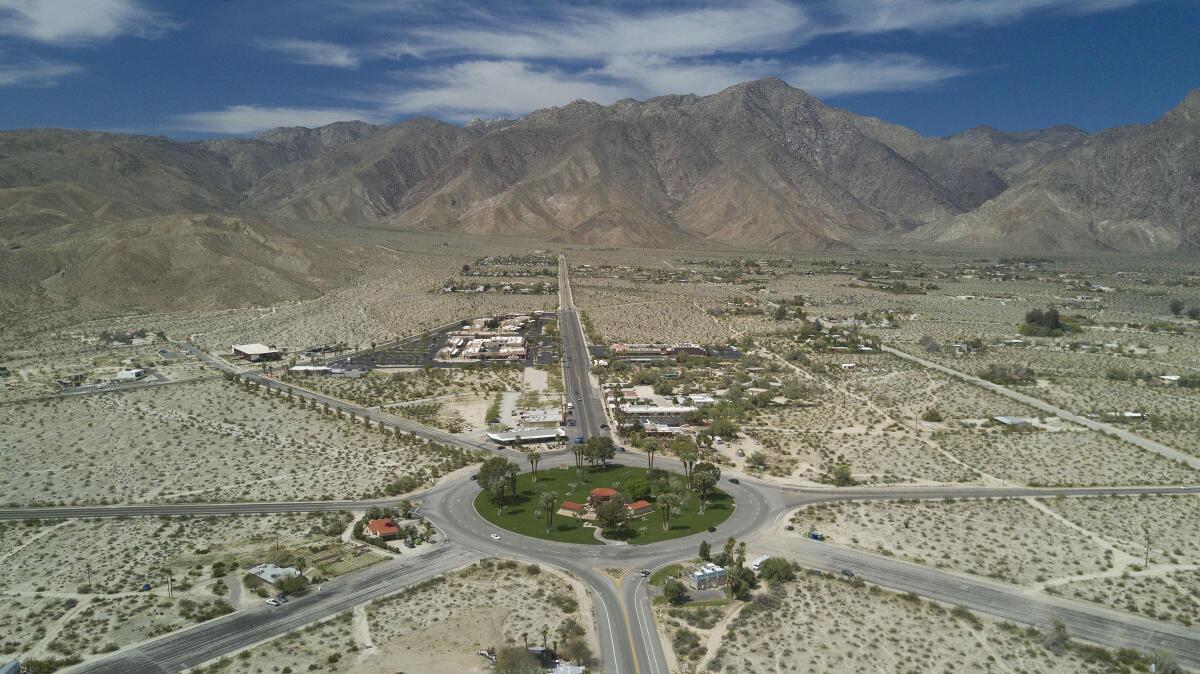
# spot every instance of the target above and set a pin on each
(597, 497)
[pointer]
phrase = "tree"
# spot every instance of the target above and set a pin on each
(514, 660)
(704, 477)
(842, 476)
(1194, 313)
(685, 450)
(637, 487)
(612, 514)
(741, 582)
(651, 448)
(724, 428)
(292, 585)
(600, 449)
(776, 570)
(705, 551)
(1176, 306)
(549, 503)
(674, 591)
(579, 452)
(667, 505)
(497, 476)
(534, 458)
(576, 650)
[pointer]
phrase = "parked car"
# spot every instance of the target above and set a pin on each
(847, 573)
(273, 601)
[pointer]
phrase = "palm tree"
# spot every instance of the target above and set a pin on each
(545, 635)
(667, 504)
(651, 448)
(549, 503)
(688, 457)
(578, 451)
(534, 457)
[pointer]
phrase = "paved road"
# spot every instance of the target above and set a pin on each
(629, 641)
(1038, 403)
(188, 648)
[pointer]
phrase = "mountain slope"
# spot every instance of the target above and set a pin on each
(1133, 188)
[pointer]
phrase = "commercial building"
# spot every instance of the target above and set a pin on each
(654, 352)
(520, 436)
(705, 576)
(255, 352)
(657, 410)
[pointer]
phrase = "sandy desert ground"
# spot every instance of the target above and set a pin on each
(436, 627)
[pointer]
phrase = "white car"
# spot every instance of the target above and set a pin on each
(495, 537)
(273, 601)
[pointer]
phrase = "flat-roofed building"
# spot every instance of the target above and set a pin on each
(520, 436)
(255, 352)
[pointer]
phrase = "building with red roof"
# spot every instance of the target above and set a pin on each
(601, 495)
(638, 508)
(384, 528)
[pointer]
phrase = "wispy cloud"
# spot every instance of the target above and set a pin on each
(66, 22)
(313, 52)
(842, 76)
(886, 16)
(33, 72)
(487, 88)
(756, 25)
(243, 119)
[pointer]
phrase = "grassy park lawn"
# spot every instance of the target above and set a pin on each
(522, 513)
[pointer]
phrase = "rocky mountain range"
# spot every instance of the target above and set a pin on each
(760, 164)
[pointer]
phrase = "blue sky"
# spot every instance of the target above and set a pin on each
(222, 67)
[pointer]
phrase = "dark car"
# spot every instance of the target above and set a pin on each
(847, 573)
(604, 427)
(734, 480)
(474, 476)
(579, 439)
(570, 422)
(645, 572)
(711, 529)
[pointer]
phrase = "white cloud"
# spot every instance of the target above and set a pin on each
(242, 119)
(35, 72)
(885, 16)
(843, 76)
(313, 52)
(79, 21)
(486, 88)
(756, 25)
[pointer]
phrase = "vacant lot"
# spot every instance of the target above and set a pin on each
(54, 612)
(211, 440)
(821, 624)
(438, 626)
(1008, 540)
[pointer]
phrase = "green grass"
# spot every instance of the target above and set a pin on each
(669, 571)
(521, 512)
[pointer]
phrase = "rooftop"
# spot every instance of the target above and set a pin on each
(254, 349)
(604, 491)
(383, 527)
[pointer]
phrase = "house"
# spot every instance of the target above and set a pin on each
(601, 495)
(271, 574)
(385, 529)
(704, 576)
(570, 509)
(255, 352)
(133, 374)
(638, 508)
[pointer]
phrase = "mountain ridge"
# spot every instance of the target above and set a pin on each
(759, 163)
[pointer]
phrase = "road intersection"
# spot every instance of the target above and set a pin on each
(628, 638)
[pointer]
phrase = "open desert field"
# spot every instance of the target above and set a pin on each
(53, 612)
(436, 627)
(1095, 549)
(209, 440)
(818, 623)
